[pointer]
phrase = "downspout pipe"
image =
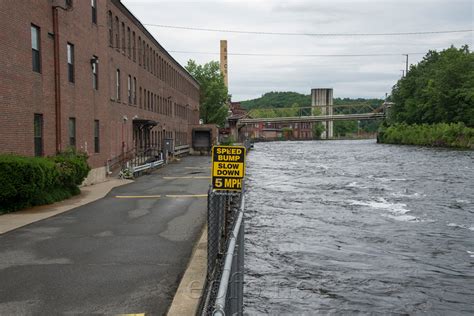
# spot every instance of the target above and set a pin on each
(57, 80)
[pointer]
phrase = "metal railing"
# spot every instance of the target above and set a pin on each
(146, 159)
(120, 160)
(223, 292)
(181, 150)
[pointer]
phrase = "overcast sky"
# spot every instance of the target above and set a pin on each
(250, 76)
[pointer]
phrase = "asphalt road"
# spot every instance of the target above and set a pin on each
(113, 256)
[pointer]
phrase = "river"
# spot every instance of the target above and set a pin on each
(347, 227)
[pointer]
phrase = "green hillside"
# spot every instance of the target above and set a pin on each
(277, 100)
(288, 99)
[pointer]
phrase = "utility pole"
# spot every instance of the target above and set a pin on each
(406, 64)
(403, 72)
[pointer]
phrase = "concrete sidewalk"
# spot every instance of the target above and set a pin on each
(88, 194)
(122, 254)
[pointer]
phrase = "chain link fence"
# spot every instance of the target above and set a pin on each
(223, 291)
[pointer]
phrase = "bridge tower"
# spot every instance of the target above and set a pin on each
(323, 97)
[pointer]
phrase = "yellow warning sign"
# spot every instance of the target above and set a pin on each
(228, 167)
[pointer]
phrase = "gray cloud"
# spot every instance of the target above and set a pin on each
(250, 77)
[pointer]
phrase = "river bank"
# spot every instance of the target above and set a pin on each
(453, 135)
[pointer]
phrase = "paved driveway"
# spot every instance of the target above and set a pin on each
(124, 253)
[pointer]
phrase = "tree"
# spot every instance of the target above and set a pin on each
(214, 94)
(439, 89)
(318, 129)
(343, 128)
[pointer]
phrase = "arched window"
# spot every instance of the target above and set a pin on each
(110, 24)
(139, 51)
(117, 33)
(123, 38)
(117, 85)
(129, 43)
(144, 54)
(134, 47)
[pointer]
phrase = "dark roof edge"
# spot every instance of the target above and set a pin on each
(139, 24)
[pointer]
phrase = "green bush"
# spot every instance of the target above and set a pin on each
(30, 181)
(73, 167)
(228, 141)
(455, 135)
(318, 129)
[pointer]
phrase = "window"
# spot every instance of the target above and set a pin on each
(144, 99)
(140, 101)
(139, 51)
(129, 89)
(161, 68)
(148, 57)
(96, 136)
(35, 48)
(95, 72)
(117, 85)
(148, 104)
(129, 42)
(70, 62)
(38, 134)
(117, 33)
(143, 53)
(152, 61)
(134, 90)
(111, 29)
(72, 132)
(123, 38)
(134, 47)
(94, 11)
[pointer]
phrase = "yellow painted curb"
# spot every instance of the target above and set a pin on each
(187, 177)
(137, 196)
(186, 195)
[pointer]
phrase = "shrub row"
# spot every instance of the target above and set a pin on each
(30, 181)
(455, 135)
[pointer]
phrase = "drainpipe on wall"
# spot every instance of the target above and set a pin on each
(57, 80)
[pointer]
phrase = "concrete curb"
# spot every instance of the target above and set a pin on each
(186, 299)
(11, 221)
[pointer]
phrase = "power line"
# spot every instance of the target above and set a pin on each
(297, 55)
(305, 34)
(126, 48)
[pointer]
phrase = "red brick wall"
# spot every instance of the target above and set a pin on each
(24, 92)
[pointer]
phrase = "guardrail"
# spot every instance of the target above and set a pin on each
(146, 159)
(230, 295)
(147, 166)
(181, 150)
(223, 291)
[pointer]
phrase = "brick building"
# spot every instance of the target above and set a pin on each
(264, 130)
(87, 74)
(278, 131)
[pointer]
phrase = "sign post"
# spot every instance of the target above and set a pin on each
(228, 167)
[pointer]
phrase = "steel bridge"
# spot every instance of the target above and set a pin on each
(316, 118)
(313, 114)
